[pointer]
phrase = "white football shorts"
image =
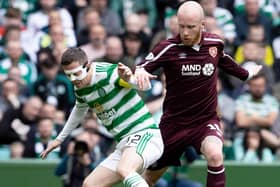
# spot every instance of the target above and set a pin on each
(149, 146)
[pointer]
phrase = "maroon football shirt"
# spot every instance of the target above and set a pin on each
(191, 76)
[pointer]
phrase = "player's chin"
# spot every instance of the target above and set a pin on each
(78, 84)
(187, 42)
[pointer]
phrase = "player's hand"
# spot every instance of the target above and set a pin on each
(143, 78)
(124, 72)
(54, 144)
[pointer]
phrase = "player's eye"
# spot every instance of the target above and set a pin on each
(68, 75)
(77, 73)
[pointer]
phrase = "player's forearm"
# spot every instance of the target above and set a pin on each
(243, 121)
(73, 121)
(227, 64)
(270, 138)
(264, 121)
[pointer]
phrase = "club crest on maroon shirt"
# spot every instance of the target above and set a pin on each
(213, 51)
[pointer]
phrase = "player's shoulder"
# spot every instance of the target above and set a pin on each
(163, 46)
(103, 66)
(211, 38)
(168, 42)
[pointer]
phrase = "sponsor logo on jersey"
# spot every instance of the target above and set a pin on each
(99, 108)
(208, 69)
(191, 69)
(196, 69)
(101, 92)
(105, 115)
(213, 51)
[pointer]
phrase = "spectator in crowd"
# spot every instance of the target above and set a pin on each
(96, 47)
(109, 18)
(134, 24)
(91, 18)
(16, 123)
(53, 87)
(114, 51)
(253, 54)
(40, 19)
(252, 15)
(15, 57)
(11, 97)
(74, 7)
(223, 17)
(78, 162)
(170, 31)
(55, 38)
(252, 149)
(55, 19)
(12, 18)
(25, 6)
(132, 49)
(268, 7)
(14, 73)
(257, 34)
(125, 8)
(39, 137)
(16, 150)
(256, 108)
(13, 21)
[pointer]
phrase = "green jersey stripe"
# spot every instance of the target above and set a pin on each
(125, 99)
(80, 100)
(126, 115)
(97, 85)
(135, 123)
(102, 100)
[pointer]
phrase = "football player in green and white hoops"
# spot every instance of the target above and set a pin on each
(109, 90)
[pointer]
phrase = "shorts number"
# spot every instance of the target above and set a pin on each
(133, 139)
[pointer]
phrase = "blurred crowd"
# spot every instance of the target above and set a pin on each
(36, 97)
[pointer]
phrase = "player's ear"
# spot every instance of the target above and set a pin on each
(87, 65)
(203, 22)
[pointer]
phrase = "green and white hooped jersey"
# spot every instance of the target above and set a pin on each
(120, 109)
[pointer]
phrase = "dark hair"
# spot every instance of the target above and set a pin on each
(88, 10)
(74, 54)
(245, 144)
(259, 75)
(132, 36)
(80, 148)
(49, 61)
(9, 29)
(13, 13)
(8, 80)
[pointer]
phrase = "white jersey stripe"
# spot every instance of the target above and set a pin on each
(214, 40)
(158, 55)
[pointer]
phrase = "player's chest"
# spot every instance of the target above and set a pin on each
(190, 62)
